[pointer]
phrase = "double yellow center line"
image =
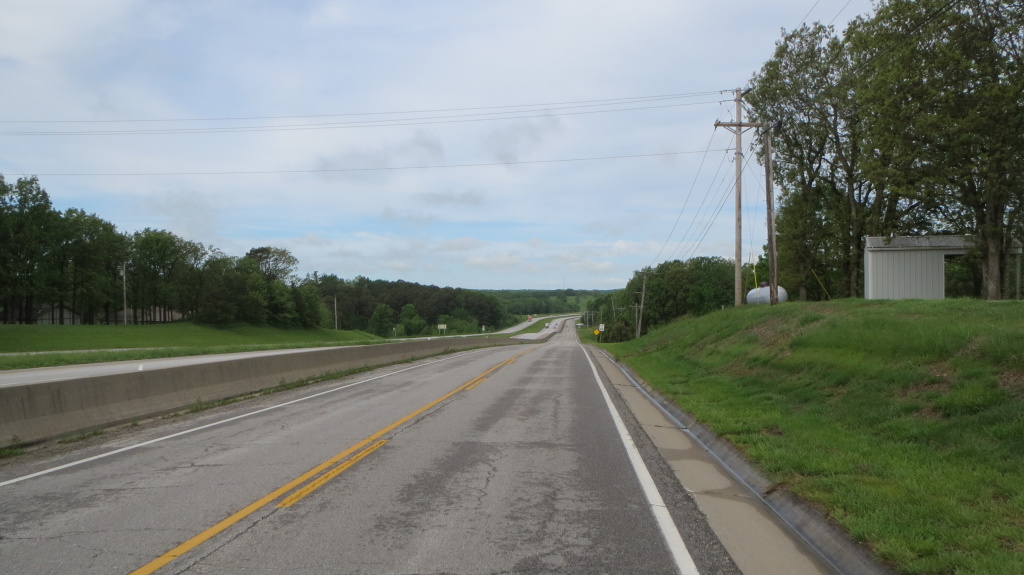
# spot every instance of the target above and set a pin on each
(346, 458)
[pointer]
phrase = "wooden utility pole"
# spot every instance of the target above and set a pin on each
(737, 128)
(773, 263)
(640, 316)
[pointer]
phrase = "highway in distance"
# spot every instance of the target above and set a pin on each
(501, 460)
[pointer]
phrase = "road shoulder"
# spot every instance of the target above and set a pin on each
(750, 532)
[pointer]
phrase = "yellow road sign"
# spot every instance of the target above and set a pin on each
(597, 332)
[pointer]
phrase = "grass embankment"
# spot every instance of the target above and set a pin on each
(903, 421)
(131, 342)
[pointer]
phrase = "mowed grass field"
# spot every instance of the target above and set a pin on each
(94, 343)
(902, 421)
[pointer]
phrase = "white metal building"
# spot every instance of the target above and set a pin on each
(911, 267)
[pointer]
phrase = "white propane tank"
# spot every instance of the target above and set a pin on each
(762, 295)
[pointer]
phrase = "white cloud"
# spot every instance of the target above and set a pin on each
(460, 245)
(594, 267)
(510, 142)
(330, 13)
(497, 261)
(468, 198)
(189, 214)
(421, 150)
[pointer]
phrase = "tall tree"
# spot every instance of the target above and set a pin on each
(826, 205)
(27, 227)
(275, 263)
(95, 252)
(381, 321)
(944, 82)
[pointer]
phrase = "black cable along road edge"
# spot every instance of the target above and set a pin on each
(833, 544)
(705, 548)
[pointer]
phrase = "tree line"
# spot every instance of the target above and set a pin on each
(909, 123)
(535, 302)
(663, 293)
(74, 267)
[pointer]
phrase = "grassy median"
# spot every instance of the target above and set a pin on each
(903, 421)
(98, 343)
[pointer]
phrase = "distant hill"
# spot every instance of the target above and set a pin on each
(530, 302)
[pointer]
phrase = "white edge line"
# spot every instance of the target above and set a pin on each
(216, 423)
(799, 532)
(669, 531)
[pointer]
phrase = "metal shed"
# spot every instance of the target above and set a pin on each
(911, 267)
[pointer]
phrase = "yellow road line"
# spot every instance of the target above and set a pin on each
(248, 510)
(320, 481)
(476, 383)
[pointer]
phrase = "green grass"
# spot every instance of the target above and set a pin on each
(119, 343)
(6, 452)
(904, 421)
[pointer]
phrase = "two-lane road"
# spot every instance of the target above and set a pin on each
(504, 460)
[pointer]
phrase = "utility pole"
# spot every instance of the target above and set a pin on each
(335, 312)
(737, 128)
(773, 264)
(124, 289)
(640, 316)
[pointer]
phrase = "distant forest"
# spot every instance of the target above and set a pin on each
(73, 267)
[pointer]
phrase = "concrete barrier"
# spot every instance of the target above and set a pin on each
(36, 412)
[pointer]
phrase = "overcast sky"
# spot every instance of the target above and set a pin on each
(335, 105)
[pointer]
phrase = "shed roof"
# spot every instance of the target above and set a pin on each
(950, 245)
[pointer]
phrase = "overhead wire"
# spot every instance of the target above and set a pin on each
(458, 119)
(710, 221)
(707, 194)
(759, 178)
(376, 169)
(700, 208)
(804, 19)
(685, 201)
(606, 101)
(725, 194)
(840, 12)
(757, 202)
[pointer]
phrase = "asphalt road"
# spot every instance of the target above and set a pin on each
(491, 461)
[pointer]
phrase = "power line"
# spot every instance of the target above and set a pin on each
(608, 101)
(380, 169)
(711, 220)
(757, 202)
(804, 19)
(347, 125)
(840, 12)
(697, 216)
(685, 201)
(707, 228)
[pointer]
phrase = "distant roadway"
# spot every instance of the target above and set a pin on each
(15, 377)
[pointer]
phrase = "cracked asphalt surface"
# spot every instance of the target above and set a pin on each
(523, 473)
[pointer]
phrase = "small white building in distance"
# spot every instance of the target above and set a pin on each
(912, 267)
